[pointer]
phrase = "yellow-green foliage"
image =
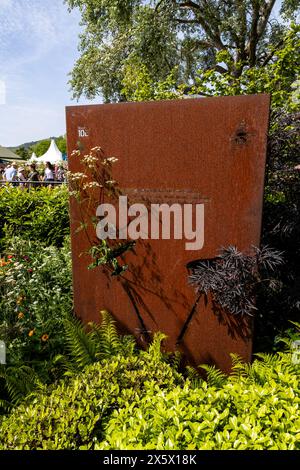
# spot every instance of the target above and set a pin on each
(141, 402)
(39, 214)
(256, 408)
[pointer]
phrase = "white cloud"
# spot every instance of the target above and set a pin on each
(31, 28)
(38, 38)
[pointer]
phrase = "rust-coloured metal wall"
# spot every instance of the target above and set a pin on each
(208, 150)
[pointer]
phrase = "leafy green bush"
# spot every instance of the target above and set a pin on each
(74, 415)
(36, 295)
(37, 214)
(256, 408)
(140, 401)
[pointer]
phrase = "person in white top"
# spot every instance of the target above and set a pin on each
(49, 172)
(21, 177)
(11, 172)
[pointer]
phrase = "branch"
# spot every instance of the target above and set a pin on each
(272, 53)
(258, 27)
(241, 38)
(253, 39)
(188, 89)
(202, 21)
(265, 17)
(188, 4)
(219, 68)
(181, 21)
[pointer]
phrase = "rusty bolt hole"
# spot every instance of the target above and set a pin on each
(241, 137)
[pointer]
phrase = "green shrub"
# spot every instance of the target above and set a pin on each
(256, 408)
(36, 296)
(142, 402)
(36, 214)
(74, 415)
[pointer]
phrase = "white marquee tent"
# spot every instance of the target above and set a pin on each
(53, 154)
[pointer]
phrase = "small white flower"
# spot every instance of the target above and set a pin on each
(75, 176)
(74, 193)
(92, 185)
(89, 160)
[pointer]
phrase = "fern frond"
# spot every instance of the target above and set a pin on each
(80, 344)
(236, 359)
(286, 341)
(191, 372)
(110, 343)
(257, 373)
(238, 367)
(66, 366)
(154, 351)
(86, 347)
(176, 360)
(19, 382)
(194, 377)
(296, 324)
(5, 406)
(128, 346)
(215, 377)
(267, 358)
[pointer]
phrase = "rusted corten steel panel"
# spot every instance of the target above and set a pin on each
(209, 151)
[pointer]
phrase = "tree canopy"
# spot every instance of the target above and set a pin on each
(22, 152)
(41, 147)
(173, 37)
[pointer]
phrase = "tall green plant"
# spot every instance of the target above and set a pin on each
(36, 296)
(36, 214)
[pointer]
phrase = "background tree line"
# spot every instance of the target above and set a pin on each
(25, 151)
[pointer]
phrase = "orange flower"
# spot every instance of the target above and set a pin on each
(31, 333)
(3, 263)
(45, 338)
(20, 316)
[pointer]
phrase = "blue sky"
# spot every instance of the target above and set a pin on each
(38, 48)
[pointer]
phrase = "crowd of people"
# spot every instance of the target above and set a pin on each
(33, 175)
